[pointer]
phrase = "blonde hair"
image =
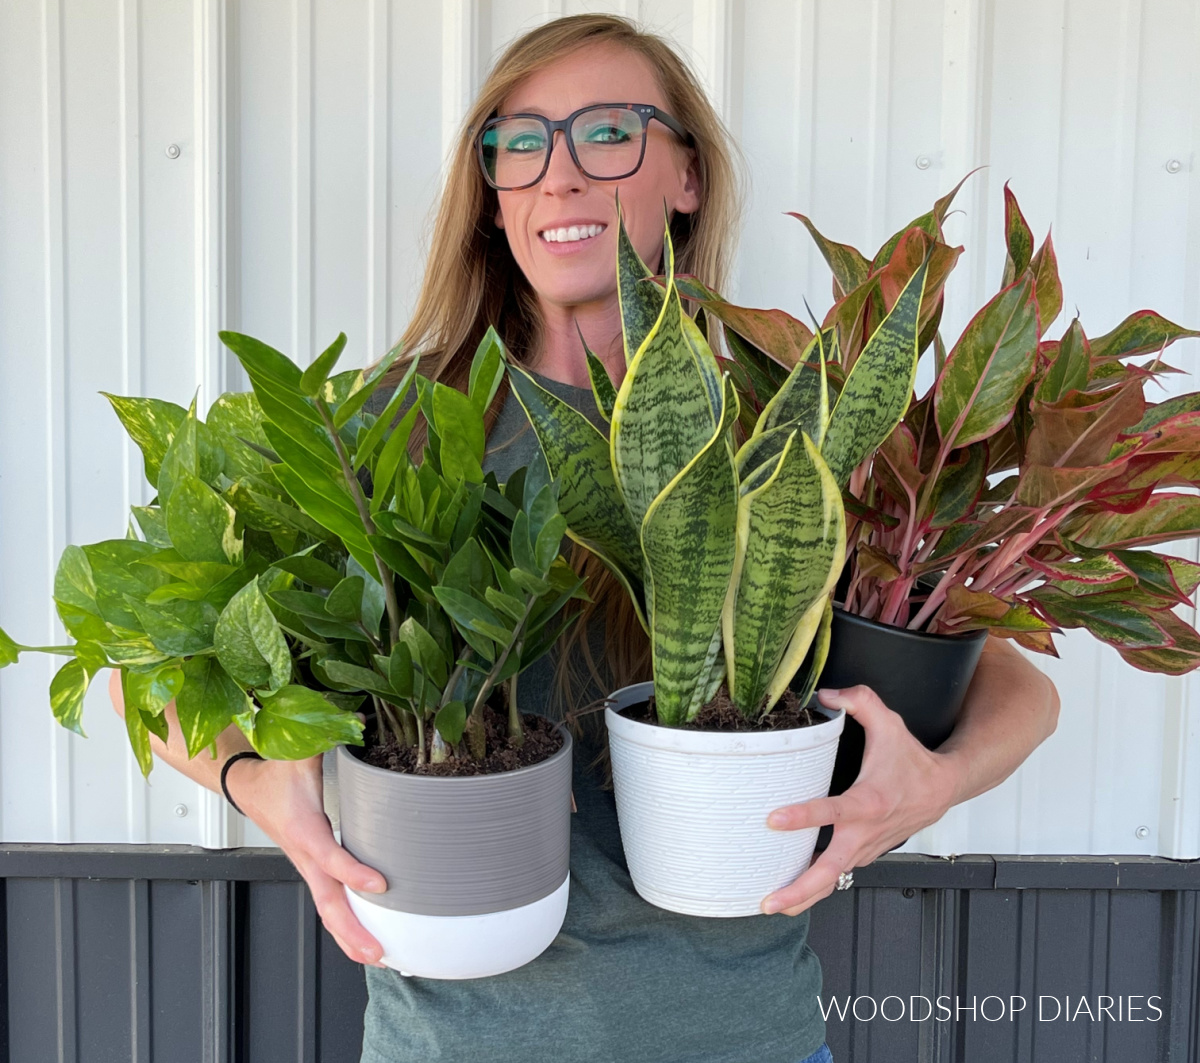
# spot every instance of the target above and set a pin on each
(471, 280)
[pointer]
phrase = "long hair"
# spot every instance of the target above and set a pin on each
(471, 280)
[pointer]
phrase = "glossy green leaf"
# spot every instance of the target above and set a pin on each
(310, 570)
(1047, 287)
(450, 722)
(296, 723)
(930, 223)
(151, 691)
(802, 401)
(349, 406)
(249, 642)
(67, 690)
(235, 420)
(207, 703)
(178, 628)
(1143, 332)
(849, 267)
(1106, 617)
(139, 737)
(1181, 657)
(487, 370)
(385, 423)
(1163, 518)
(470, 614)
(1071, 366)
(345, 600)
(959, 486)
(9, 650)
(425, 651)
(193, 450)
(400, 669)
(688, 538)
(349, 676)
(989, 368)
(1018, 239)
(878, 388)
(459, 425)
(314, 377)
(791, 538)
(151, 424)
(201, 523)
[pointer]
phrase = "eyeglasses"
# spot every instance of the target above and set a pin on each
(606, 140)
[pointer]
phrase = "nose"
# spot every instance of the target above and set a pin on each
(562, 175)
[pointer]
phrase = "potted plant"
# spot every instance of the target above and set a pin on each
(1015, 495)
(297, 566)
(730, 553)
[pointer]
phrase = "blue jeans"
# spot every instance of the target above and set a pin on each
(821, 1055)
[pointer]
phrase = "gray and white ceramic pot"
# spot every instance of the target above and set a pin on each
(476, 866)
(693, 806)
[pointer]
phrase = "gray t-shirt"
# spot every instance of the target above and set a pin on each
(624, 981)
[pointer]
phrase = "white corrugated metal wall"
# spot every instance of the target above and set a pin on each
(169, 168)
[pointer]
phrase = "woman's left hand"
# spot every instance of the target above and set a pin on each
(901, 788)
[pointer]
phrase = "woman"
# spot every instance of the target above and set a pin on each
(525, 239)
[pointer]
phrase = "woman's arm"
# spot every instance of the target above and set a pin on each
(1009, 710)
(284, 798)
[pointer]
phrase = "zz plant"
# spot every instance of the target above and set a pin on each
(296, 566)
(729, 550)
(1019, 492)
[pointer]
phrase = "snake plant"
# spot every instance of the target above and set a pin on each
(729, 542)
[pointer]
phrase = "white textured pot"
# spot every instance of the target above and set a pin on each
(693, 807)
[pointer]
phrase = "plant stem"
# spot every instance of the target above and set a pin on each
(475, 721)
(934, 602)
(364, 514)
(420, 740)
(516, 735)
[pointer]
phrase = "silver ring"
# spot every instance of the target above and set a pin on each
(845, 880)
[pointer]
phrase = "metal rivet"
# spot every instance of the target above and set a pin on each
(1174, 166)
(909, 892)
(181, 811)
(172, 151)
(1142, 833)
(924, 162)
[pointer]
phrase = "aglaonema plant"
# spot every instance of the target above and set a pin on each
(296, 566)
(729, 549)
(1020, 492)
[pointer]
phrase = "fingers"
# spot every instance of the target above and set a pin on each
(815, 884)
(340, 920)
(861, 702)
(339, 864)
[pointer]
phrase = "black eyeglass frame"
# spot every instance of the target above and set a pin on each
(644, 111)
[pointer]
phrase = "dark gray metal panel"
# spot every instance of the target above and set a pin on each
(151, 967)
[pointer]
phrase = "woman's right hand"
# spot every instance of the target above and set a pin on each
(284, 798)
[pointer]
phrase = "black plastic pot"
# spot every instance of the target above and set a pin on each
(922, 677)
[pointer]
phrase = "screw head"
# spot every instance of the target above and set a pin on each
(909, 892)
(1142, 833)
(172, 151)
(1174, 166)
(181, 811)
(924, 162)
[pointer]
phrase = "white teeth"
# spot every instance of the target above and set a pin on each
(572, 233)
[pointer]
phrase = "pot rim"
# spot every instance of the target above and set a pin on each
(737, 743)
(564, 750)
(905, 633)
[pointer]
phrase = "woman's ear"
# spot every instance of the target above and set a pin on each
(499, 219)
(688, 200)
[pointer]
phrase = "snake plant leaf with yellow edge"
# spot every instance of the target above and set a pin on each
(664, 413)
(878, 388)
(688, 540)
(791, 542)
(578, 457)
(640, 299)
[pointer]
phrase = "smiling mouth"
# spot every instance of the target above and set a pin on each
(570, 234)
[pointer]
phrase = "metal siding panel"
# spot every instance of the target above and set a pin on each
(176, 973)
(104, 959)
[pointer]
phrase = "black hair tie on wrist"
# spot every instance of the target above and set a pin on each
(245, 754)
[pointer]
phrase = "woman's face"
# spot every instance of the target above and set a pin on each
(567, 272)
